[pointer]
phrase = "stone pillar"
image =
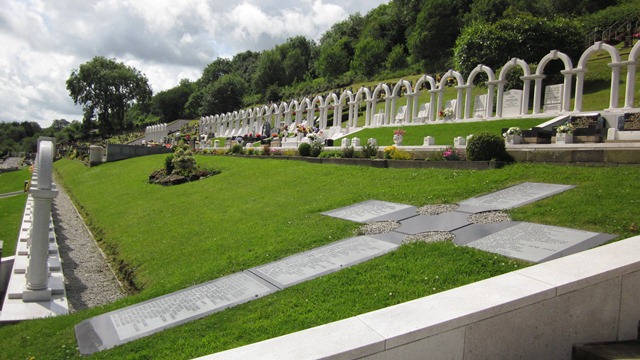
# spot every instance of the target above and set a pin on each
(566, 90)
(500, 97)
(95, 155)
(631, 79)
(537, 93)
(615, 84)
(43, 192)
(579, 89)
(490, 95)
(526, 89)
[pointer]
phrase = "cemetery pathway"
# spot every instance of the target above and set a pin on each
(89, 281)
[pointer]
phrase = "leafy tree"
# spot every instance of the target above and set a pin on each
(334, 59)
(215, 71)
(296, 54)
(170, 104)
(437, 27)
(224, 95)
(397, 59)
(270, 71)
(527, 37)
(106, 89)
(370, 56)
(59, 124)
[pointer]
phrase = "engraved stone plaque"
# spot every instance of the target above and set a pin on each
(512, 197)
(323, 260)
(512, 103)
(537, 243)
(480, 106)
(553, 98)
(373, 210)
(133, 322)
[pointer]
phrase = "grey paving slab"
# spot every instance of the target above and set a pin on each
(538, 243)
(374, 210)
(442, 222)
(512, 197)
(136, 321)
(392, 237)
(473, 232)
(323, 260)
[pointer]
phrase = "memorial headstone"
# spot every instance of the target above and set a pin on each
(512, 103)
(373, 210)
(553, 98)
(321, 261)
(538, 243)
(451, 105)
(512, 197)
(402, 115)
(429, 141)
(423, 113)
(123, 325)
(480, 106)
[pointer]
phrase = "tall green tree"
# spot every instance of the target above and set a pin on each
(106, 89)
(224, 95)
(434, 35)
(170, 104)
(270, 71)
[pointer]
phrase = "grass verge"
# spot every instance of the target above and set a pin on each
(259, 210)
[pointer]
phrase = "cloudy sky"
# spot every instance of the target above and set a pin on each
(42, 41)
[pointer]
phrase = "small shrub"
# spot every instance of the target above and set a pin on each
(266, 150)
(237, 149)
(289, 152)
(168, 164)
(369, 150)
(486, 146)
(348, 152)
(330, 154)
(249, 151)
(316, 149)
(183, 163)
(452, 154)
(392, 152)
(304, 149)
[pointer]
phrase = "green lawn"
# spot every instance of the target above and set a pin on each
(443, 133)
(260, 210)
(12, 208)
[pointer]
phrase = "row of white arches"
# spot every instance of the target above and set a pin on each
(318, 109)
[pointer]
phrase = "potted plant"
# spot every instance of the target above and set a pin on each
(513, 135)
(398, 136)
(564, 134)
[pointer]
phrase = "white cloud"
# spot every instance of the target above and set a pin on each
(166, 40)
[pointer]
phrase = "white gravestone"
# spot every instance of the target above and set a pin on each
(451, 104)
(480, 106)
(401, 117)
(512, 103)
(553, 98)
(423, 113)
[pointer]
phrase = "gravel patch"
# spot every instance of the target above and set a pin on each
(428, 237)
(378, 227)
(437, 209)
(489, 217)
(89, 281)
